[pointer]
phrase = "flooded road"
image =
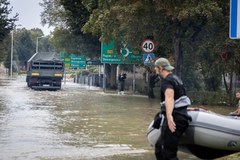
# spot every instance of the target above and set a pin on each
(75, 123)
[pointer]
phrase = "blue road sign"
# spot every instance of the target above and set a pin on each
(149, 59)
(234, 19)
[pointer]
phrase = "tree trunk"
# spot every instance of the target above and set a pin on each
(113, 84)
(178, 54)
(111, 70)
(108, 75)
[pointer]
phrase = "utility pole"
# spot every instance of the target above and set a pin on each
(11, 61)
(37, 44)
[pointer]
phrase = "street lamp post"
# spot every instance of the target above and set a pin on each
(11, 57)
(11, 61)
(37, 44)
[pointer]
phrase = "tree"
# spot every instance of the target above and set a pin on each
(137, 19)
(53, 13)
(71, 15)
(6, 23)
(24, 46)
(191, 34)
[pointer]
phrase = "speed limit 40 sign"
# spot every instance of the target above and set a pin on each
(148, 46)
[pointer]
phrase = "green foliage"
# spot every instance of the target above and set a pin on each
(24, 46)
(93, 69)
(6, 25)
(64, 40)
(53, 14)
(193, 34)
(172, 27)
(76, 13)
(3, 51)
(121, 20)
(211, 98)
(68, 16)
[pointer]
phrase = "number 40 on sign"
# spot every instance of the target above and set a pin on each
(148, 46)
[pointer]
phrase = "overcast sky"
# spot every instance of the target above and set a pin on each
(29, 14)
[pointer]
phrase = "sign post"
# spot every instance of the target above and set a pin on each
(234, 28)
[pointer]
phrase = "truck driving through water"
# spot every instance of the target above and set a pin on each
(45, 70)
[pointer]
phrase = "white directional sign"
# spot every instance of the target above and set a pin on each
(148, 46)
(234, 19)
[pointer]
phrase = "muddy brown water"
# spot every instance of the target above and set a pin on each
(76, 123)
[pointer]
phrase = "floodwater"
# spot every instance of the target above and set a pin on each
(75, 123)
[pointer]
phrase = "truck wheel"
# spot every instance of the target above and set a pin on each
(28, 84)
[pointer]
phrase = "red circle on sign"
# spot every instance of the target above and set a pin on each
(148, 46)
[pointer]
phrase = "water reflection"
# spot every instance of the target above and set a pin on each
(76, 122)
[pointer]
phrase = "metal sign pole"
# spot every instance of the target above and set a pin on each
(104, 77)
(65, 76)
(134, 78)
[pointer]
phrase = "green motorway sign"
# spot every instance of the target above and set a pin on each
(73, 61)
(78, 61)
(126, 54)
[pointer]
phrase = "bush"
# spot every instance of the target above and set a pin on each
(209, 98)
